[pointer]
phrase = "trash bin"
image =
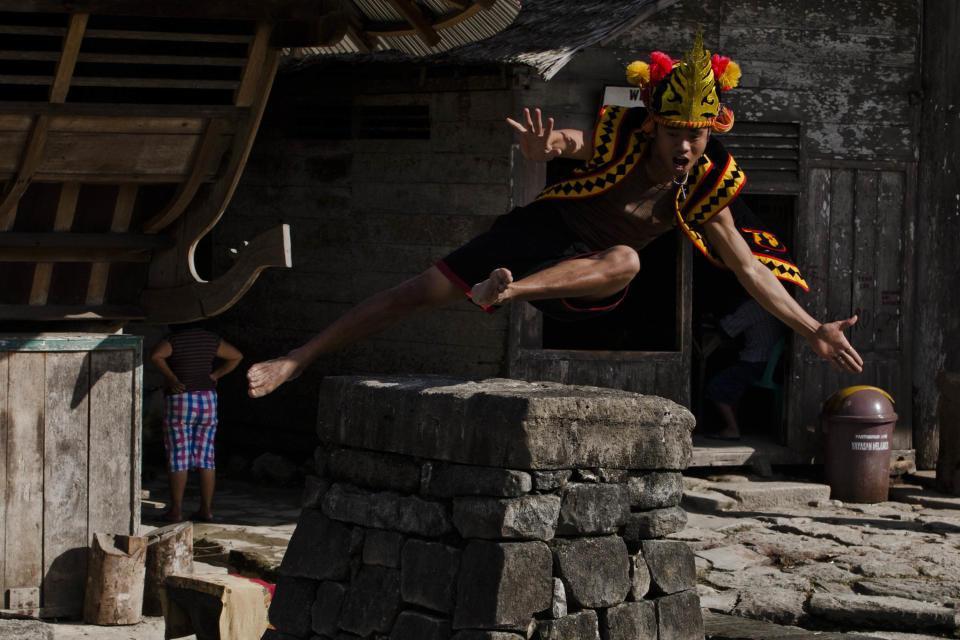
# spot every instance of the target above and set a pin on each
(857, 423)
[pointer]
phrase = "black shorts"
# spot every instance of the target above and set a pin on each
(526, 240)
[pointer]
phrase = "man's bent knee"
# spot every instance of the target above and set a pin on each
(623, 262)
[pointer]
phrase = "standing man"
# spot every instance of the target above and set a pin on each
(186, 360)
(573, 251)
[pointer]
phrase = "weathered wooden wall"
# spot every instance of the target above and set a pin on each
(366, 213)
(70, 453)
(937, 328)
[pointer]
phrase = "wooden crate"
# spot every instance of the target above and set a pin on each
(70, 448)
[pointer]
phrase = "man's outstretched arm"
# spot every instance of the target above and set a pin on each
(543, 143)
(827, 339)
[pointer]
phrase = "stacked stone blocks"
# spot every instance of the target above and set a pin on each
(491, 510)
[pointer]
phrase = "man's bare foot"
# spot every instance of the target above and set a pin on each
(264, 377)
(491, 291)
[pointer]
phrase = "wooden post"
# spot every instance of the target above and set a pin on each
(115, 580)
(948, 464)
(169, 550)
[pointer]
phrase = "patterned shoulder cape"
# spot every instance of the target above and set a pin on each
(714, 183)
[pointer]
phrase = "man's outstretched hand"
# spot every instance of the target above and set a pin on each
(534, 138)
(831, 345)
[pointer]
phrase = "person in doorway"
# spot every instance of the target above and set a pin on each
(186, 359)
(761, 332)
(573, 251)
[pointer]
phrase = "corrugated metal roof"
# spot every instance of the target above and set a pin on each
(381, 19)
(545, 34)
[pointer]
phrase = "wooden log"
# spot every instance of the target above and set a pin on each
(214, 606)
(169, 550)
(115, 576)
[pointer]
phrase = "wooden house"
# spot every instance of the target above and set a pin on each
(125, 128)
(382, 166)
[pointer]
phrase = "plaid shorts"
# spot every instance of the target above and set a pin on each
(189, 428)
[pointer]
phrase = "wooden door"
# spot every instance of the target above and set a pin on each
(855, 245)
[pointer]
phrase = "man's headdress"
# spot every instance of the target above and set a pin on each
(686, 93)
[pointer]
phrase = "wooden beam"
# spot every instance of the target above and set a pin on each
(68, 57)
(203, 158)
(386, 30)
(62, 240)
(70, 312)
(29, 162)
(412, 14)
(42, 274)
(361, 39)
(206, 299)
(129, 34)
(100, 271)
(252, 72)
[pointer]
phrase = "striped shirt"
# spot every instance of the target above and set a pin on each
(194, 351)
(761, 331)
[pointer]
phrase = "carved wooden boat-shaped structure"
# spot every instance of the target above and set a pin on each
(125, 127)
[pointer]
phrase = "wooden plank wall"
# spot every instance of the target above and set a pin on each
(937, 330)
(70, 436)
(65, 474)
(23, 548)
(855, 258)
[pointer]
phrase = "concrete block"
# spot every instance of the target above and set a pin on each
(582, 625)
(526, 517)
(319, 548)
(502, 584)
(678, 616)
(291, 605)
(550, 480)
(672, 565)
(629, 621)
(505, 423)
(372, 601)
(761, 496)
(639, 577)
(325, 612)
(383, 548)
(452, 480)
(655, 490)
(428, 575)
(386, 510)
(656, 523)
(477, 634)
(314, 489)
(373, 470)
(558, 608)
(595, 571)
(591, 509)
(412, 625)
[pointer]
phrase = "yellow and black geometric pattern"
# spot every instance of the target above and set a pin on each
(604, 170)
(618, 147)
(713, 200)
(783, 270)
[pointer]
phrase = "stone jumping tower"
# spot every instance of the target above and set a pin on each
(491, 510)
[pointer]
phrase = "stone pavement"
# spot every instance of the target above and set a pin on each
(776, 559)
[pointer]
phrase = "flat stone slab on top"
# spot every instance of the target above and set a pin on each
(505, 423)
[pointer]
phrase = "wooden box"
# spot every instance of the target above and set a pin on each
(70, 453)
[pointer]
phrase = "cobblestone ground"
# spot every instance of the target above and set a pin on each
(889, 568)
(769, 552)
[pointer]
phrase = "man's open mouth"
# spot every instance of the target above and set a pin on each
(680, 163)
